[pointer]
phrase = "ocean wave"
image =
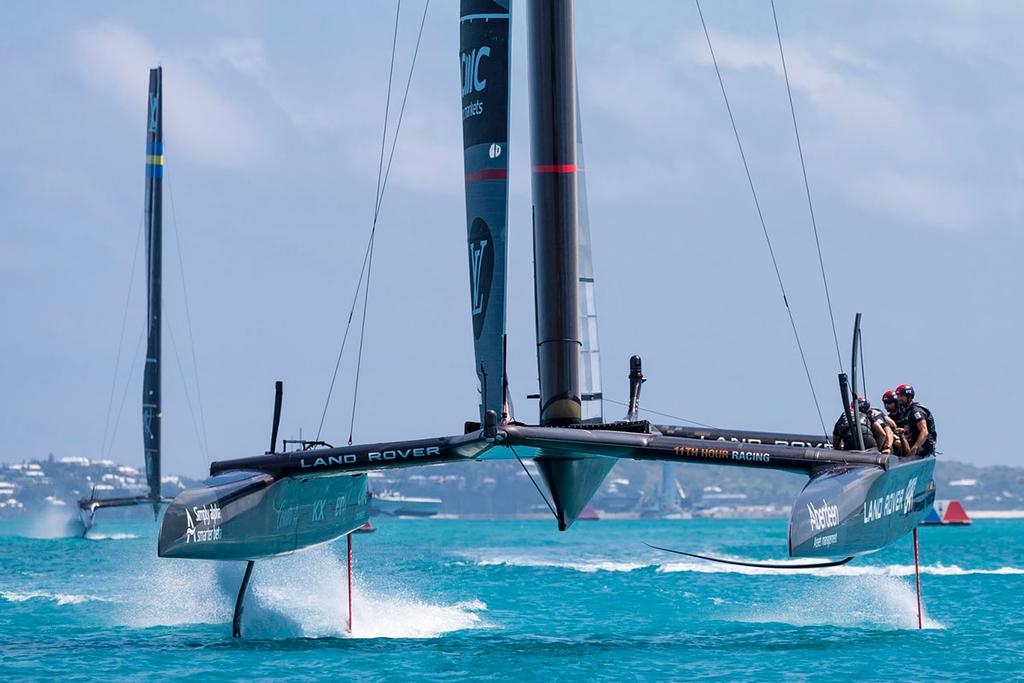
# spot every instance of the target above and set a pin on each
(59, 598)
(842, 570)
(110, 537)
(585, 566)
(591, 566)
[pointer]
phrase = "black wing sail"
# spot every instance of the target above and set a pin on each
(154, 247)
(484, 44)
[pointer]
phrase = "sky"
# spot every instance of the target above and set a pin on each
(910, 116)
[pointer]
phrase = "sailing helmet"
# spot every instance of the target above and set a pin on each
(889, 396)
(905, 390)
(863, 405)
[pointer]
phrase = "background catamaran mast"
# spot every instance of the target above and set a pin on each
(154, 272)
(151, 400)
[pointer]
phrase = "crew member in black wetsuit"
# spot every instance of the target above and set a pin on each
(844, 438)
(883, 433)
(892, 408)
(916, 423)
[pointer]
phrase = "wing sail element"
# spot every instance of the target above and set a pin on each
(591, 405)
(151, 401)
(484, 44)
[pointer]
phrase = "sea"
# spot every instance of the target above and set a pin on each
(454, 600)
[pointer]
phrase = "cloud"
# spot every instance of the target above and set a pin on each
(200, 120)
(246, 55)
(880, 144)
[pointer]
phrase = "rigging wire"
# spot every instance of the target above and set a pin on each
(369, 243)
(120, 340)
(128, 382)
(655, 412)
(807, 188)
(760, 215)
(380, 200)
(534, 482)
(188, 397)
(188, 319)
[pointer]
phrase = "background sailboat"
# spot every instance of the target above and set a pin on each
(151, 396)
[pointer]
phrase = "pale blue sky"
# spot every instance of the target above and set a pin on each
(911, 116)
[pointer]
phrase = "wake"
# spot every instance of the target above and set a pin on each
(590, 566)
(299, 596)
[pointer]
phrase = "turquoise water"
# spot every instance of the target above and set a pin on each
(451, 600)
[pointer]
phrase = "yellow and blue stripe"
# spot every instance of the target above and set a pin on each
(154, 159)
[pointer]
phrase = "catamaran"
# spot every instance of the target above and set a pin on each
(87, 507)
(276, 503)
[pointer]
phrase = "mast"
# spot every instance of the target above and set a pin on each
(154, 246)
(555, 209)
(571, 479)
(484, 48)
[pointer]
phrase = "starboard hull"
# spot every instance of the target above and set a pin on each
(852, 511)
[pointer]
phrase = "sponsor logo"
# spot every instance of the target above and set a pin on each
(346, 459)
(372, 456)
(908, 496)
(154, 108)
(287, 517)
(692, 452)
(752, 456)
(777, 442)
(471, 81)
(826, 540)
(203, 523)
(403, 454)
(898, 502)
(476, 261)
(822, 518)
(147, 422)
(318, 510)
(494, 151)
(481, 272)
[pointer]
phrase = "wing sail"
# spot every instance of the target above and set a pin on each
(484, 44)
(151, 401)
(590, 355)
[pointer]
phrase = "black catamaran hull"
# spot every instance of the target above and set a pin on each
(272, 505)
(255, 516)
(851, 511)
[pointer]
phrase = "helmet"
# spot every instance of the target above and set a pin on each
(889, 396)
(863, 405)
(905, 390)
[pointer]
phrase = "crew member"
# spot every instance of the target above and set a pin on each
(892, 409)
(843, 436)
(879, 427)
(916, 423)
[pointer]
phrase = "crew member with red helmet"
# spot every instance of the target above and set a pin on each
(880, 427)
(916, 423)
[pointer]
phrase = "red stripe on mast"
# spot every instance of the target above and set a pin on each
(487, 174)
(555, 168)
